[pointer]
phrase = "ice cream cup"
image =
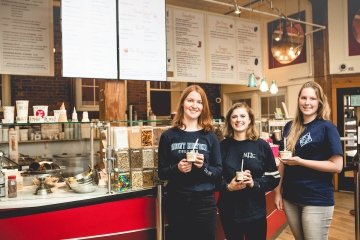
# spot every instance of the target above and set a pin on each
(9, 113)
(22, 107)
(239, 175)
(285, 154)
(191, 156)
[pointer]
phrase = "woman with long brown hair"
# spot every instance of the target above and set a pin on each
(242, 201)
(190, 202)
(305, 190)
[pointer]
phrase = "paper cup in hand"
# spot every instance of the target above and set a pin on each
(239, 176)
(285, 154)
(191, 156)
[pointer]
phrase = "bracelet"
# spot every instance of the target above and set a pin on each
(227, 188)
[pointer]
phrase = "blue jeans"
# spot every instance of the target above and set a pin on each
(191, 215)
(308, 222)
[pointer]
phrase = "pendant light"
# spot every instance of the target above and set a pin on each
(251, 80)
(264, 87)
(273, 88)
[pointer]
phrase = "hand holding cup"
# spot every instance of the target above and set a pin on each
(184, 166)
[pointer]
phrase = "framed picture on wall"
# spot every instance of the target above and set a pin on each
(354, 27)
(286, 41)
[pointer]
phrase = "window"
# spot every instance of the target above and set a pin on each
(245, 100)
(269, 105)
(160, 98)
(87, 94)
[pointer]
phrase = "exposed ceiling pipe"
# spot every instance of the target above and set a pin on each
(279, 15)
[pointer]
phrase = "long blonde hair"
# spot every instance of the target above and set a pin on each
(251, 133)
(205, 118)
(298, 127)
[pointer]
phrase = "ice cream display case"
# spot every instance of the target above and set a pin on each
(122, 203)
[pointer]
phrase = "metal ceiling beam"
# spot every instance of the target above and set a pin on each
(280, 15)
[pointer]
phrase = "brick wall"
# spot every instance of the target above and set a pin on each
(136, 95)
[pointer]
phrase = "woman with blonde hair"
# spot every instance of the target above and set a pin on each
(306, 191)
(190, 202)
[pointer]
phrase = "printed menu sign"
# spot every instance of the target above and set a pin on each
(169, 40)
(221, 49)
(142, 40)
(26, 37)
(189, 46)
(248, 50)
(89, 38)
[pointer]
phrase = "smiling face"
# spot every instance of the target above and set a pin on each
(308, 104)
(240, 120)
(193, 106)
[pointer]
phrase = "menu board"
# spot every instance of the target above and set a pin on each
(211, 48)
(248, 50)
(221, 49)
(189, 48)
(89, 42)
(142, 40)
(26, 37)
(169, 41)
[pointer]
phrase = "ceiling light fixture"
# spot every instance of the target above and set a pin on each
(284, 48)
(251, 80)
(237, 9)
(274, 88)
(264, 87)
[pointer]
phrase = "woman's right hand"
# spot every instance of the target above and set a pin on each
(235, 185)
(278, 200)
(184, 166)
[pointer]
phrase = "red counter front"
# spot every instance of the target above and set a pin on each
(106, 218)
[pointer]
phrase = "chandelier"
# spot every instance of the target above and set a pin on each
(287, 41)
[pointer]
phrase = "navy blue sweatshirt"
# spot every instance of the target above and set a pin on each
(173, 145)
(247, 204)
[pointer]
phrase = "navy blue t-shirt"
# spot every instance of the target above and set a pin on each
(319, 141)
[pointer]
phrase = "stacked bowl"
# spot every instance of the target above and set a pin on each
(83, 182)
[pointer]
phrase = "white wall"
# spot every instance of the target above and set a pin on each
(338, 39)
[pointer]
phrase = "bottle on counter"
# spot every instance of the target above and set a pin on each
(12, 186)
(2, 183)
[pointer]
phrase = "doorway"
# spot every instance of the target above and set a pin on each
(348, 112)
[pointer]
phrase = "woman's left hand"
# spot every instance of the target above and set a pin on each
(199, 161)
(248, 180)
(292, 161)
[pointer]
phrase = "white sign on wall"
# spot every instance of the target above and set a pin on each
(26, 37)
(221, 49)
(142, 40)
(212, 48)
(189, 46)
(89, 45)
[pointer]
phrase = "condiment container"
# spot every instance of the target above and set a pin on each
(12, 186)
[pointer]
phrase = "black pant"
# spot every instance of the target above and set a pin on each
(191, 215)
(253, 230)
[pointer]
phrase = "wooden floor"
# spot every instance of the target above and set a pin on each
(342, 225)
